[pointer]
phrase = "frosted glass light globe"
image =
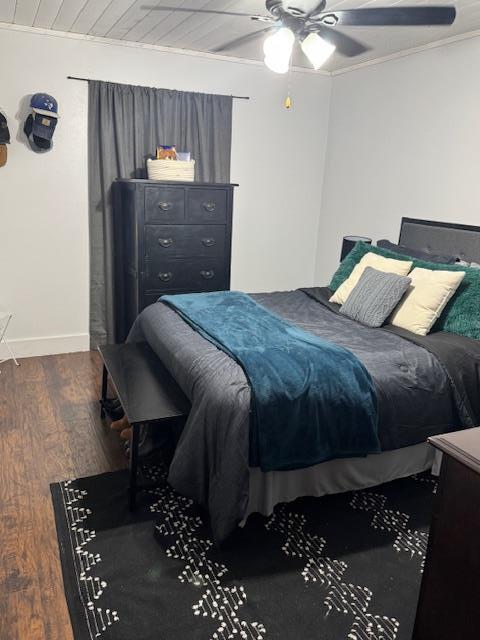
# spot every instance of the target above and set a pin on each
(317, 49)
(278, 50)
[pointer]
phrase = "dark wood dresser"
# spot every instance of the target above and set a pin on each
(448, 607)
(170, 237)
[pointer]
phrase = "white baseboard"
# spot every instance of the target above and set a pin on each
(29, 347)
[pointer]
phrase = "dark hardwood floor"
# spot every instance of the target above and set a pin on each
(50, 430)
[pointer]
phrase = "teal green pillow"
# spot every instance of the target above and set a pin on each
(348, 264)
(462, 313)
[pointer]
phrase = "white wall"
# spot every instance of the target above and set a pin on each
(277, 158)
(404, 140)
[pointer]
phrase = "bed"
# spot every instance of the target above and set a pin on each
(420, 385)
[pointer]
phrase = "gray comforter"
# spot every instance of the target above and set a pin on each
(416, 395)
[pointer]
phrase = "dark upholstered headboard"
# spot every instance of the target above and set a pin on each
(443, 238)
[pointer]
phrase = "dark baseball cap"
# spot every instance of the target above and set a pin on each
(41, 127)
(4, 132)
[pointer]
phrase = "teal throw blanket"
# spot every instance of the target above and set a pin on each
(311, 399)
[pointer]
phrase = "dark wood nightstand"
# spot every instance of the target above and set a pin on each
(449, 603)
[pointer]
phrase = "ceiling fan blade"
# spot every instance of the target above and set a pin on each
(233, 44)
(318, 9)
(345, 45)
(209, 12)
(395, 16)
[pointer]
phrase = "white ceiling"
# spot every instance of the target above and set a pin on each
(135, 21)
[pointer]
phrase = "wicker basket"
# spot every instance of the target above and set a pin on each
(171, 170)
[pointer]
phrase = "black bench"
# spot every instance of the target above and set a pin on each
(146, 391)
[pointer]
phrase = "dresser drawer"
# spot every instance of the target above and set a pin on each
(188, 274)
(207, 206)
(164, 204)
(180, 241)
(151, 298)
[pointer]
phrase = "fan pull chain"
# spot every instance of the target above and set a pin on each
(288, 99)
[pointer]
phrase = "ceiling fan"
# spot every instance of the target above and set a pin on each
(316, 30)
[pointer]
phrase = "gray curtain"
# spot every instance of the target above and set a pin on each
(125, 125)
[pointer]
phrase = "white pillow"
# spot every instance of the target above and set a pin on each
(388, 265)
(425, 299)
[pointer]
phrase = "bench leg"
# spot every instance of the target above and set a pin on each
(104, 391)
(134, 442)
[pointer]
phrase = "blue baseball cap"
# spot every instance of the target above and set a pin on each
(40, 124)
(44, 104)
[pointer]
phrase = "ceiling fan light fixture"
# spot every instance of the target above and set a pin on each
(317, 50)
(278, 50)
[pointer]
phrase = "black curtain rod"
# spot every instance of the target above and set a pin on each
(88, 80)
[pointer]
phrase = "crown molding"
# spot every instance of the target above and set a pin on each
(233, 59)
(152, 47)
(408, 52)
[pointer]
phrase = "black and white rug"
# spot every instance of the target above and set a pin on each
(333, 568)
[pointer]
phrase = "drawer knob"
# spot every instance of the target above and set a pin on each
(165, 206)
(208, 242)
(165, 242)
(207, 274)
(165, 276)
(209, 206)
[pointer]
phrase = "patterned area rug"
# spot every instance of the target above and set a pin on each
(333, 568)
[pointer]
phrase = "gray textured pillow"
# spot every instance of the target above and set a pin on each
(375, 296)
